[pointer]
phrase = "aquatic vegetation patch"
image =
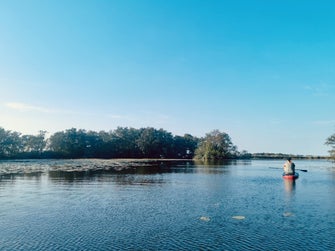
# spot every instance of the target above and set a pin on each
(238, 217)
(288, 214)
(205, 218)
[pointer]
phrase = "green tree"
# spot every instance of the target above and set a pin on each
(106, 149)
(331, 142)
(92, 145)
(155, 143)
(34, 143)
(216, 145)
(123, 143)
(10, 143)
(184, 147)
(71, 143)
(244, 155)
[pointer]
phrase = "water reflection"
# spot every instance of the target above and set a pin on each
(89, 169)
(218, 166)
(289, 186)
(212, 170)
(227, 162)
(113, 178)
(26, 176)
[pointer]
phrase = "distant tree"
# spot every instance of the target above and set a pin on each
(123, 143)
(106, 148)
(184, 147)
(331, 142)
(10, 143)
(34, 143)
(93, 144)
(244, 155)
(155, 143)
(216, 146)
(71, 143)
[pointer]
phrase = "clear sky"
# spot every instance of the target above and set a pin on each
(261, 71)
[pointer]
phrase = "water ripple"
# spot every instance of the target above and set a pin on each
(162, 210)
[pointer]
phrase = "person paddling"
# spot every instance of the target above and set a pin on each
(289, 167)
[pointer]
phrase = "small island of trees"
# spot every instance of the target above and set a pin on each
(122, 142)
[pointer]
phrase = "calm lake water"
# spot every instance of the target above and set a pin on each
(241, 205)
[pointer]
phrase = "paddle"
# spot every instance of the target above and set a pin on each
(302, 170)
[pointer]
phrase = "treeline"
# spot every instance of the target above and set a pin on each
(284, 156)
(125, 142)
(120, 143)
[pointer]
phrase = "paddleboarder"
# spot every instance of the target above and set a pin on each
(289, 166)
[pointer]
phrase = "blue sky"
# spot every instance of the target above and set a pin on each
(262, 71)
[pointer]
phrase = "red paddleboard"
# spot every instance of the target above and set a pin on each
(291, 176)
